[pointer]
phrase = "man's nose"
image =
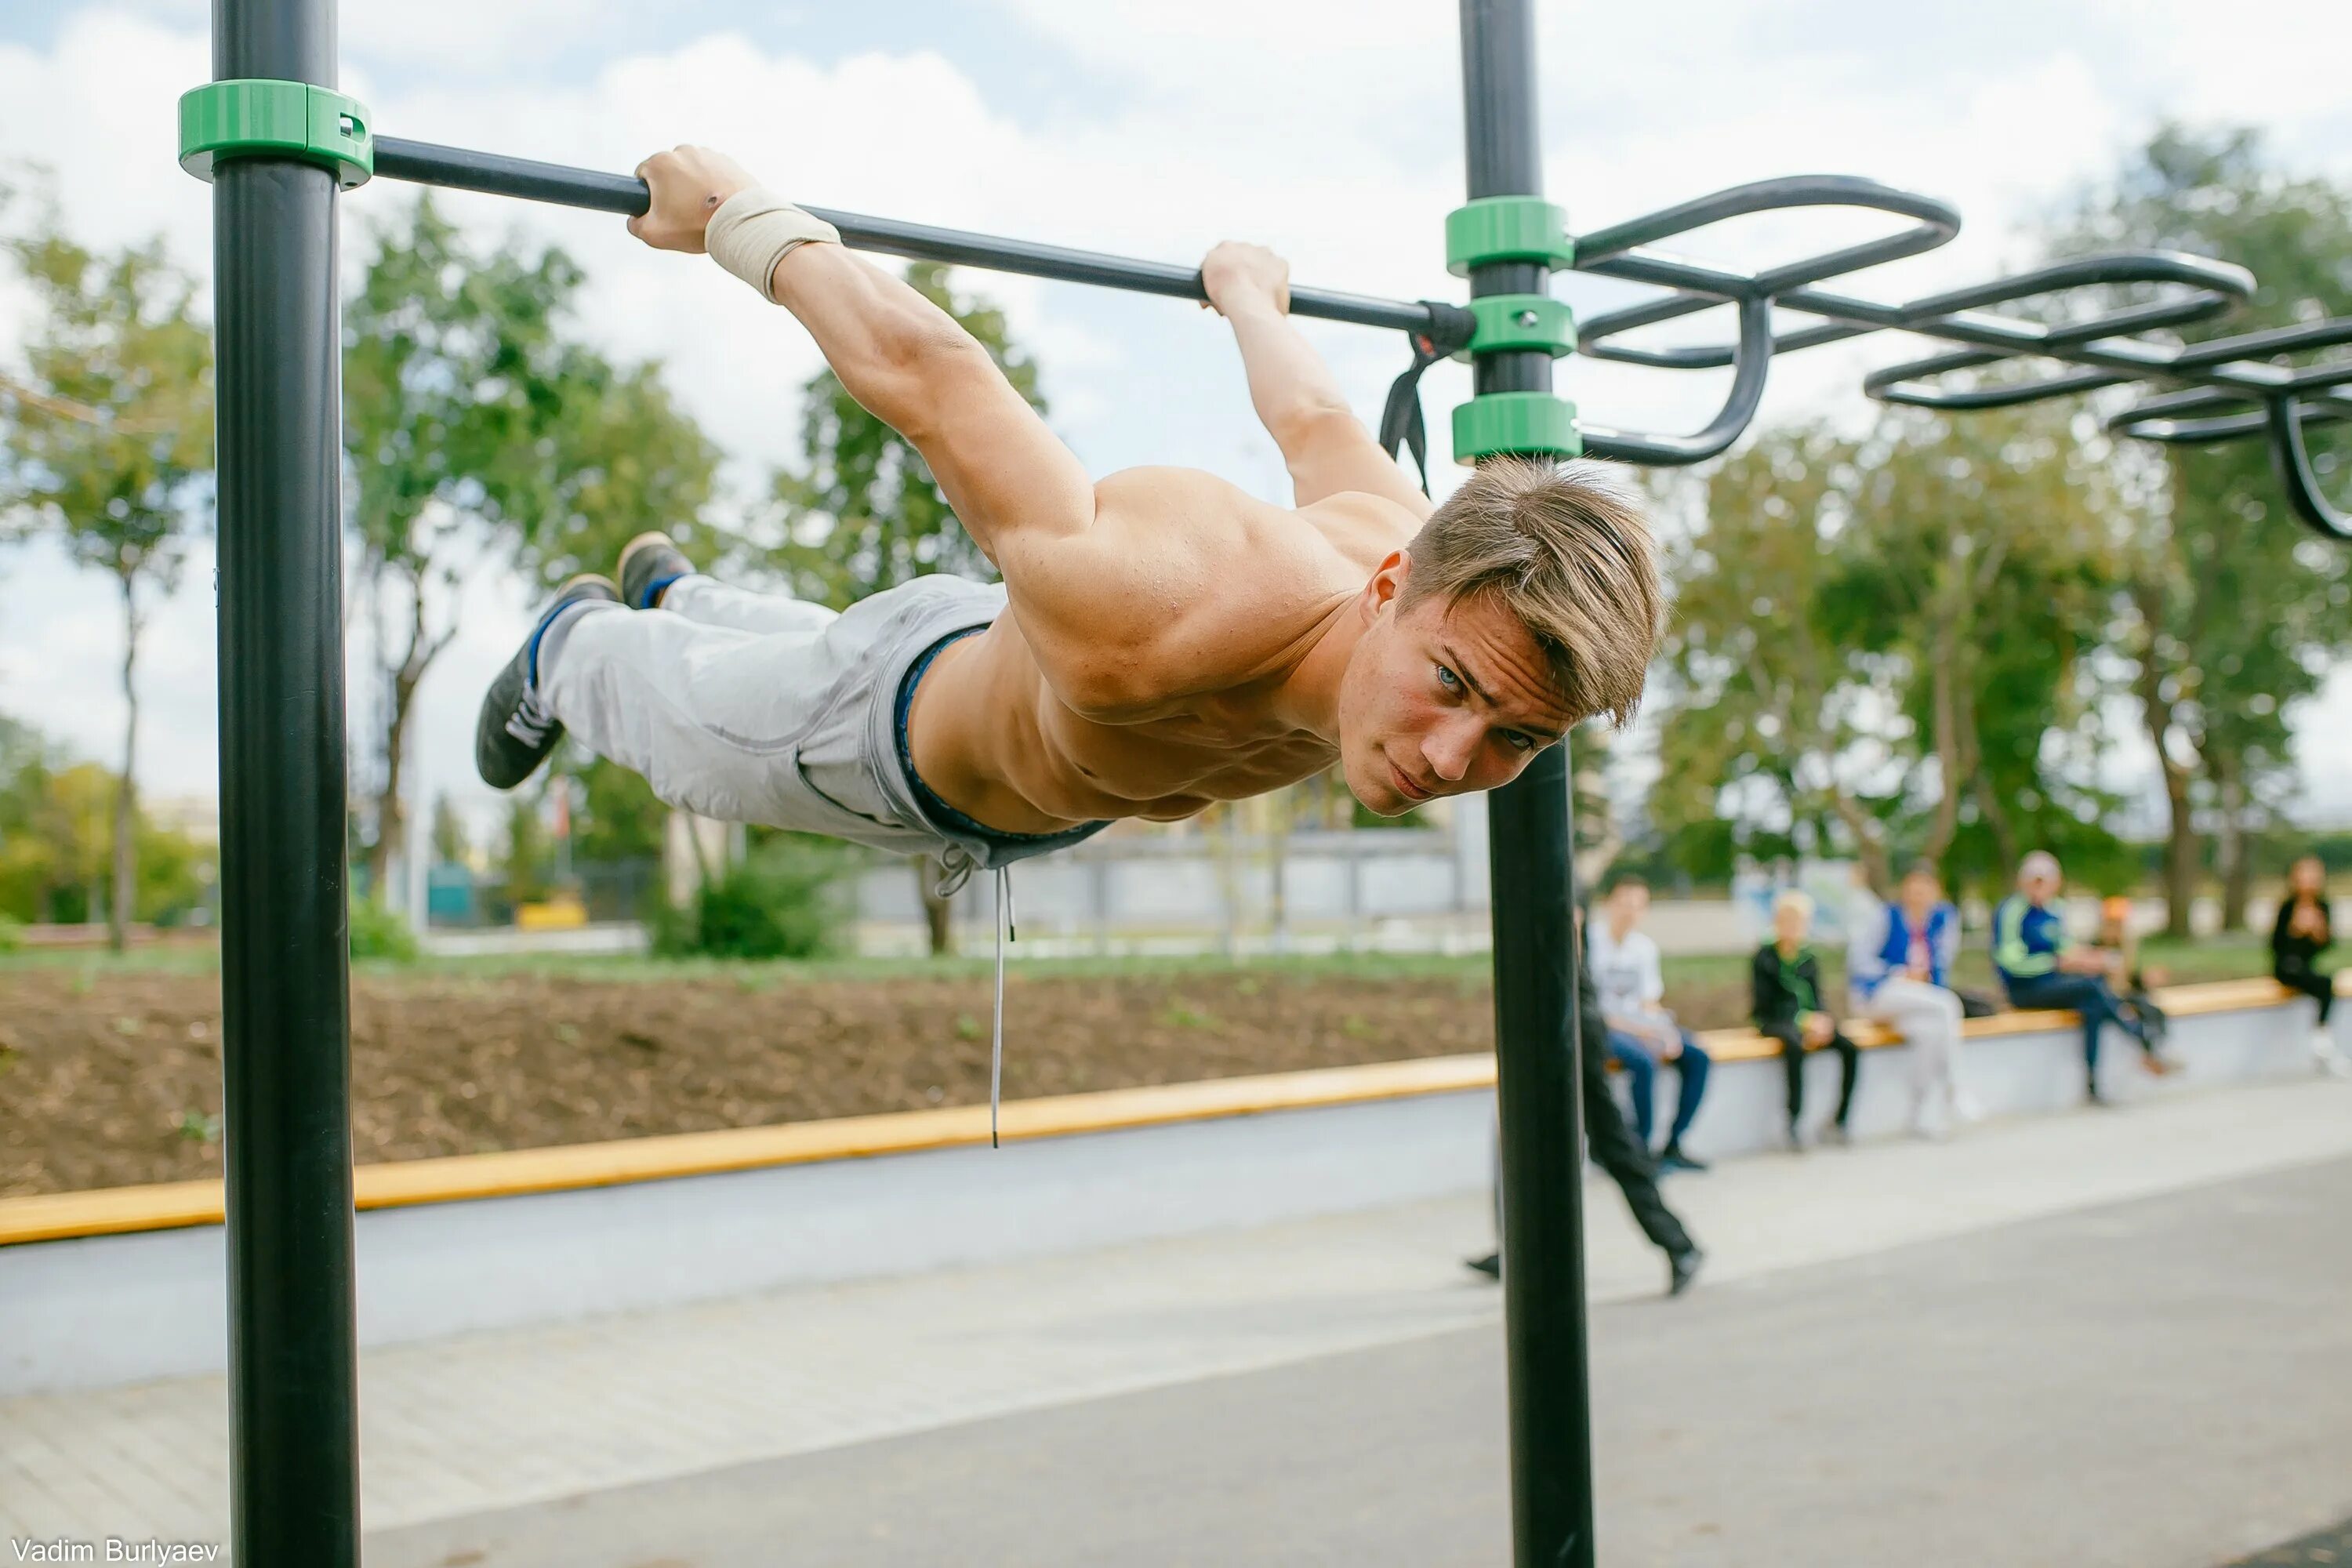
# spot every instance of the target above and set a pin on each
(1449, 751)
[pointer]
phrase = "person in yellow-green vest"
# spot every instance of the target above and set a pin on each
(2040, 968)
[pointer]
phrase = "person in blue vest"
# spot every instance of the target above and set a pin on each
(2039, 969)
(1905, 981)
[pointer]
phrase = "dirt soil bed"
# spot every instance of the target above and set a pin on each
(113, 1078)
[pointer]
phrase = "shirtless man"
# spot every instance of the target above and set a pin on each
(1161, 640)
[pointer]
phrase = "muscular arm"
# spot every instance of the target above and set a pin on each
(1324, 445)
(901, 357)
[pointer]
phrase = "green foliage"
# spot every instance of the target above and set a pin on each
(474, 418)
(866, 513)
(616, 816)
(108, 447)
(1879, 648)
(449, 844)
(2233, 612)
(380, 931)
(781, 902)
(11, 939)
(56, 839)
(527, 860)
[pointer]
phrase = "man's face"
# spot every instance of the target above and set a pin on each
(1920, 892)
(2039, 887)
(1443, 698)
(1628, 902)
(1789, 922)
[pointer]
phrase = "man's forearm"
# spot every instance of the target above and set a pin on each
(1290, 386)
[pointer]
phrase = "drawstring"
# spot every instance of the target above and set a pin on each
(1004, 933)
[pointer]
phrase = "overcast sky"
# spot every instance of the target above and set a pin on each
(1329, 131)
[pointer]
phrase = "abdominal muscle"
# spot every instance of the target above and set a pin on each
(989, 737)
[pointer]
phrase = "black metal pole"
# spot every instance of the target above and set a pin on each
(461, 169)
(1534, 895)
(293, 1393)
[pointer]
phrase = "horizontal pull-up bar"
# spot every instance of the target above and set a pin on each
(425, 164)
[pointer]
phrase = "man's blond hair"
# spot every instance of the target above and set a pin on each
(1568, 552)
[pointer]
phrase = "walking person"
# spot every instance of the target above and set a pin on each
(2040, 969)
(1787, 990)
(1905, 982)
(1642, 1036)
(1611, 1147)
(2305, 929)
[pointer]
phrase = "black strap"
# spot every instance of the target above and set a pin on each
(1402, 425)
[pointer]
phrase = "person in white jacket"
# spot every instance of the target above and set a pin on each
(1642, 1034)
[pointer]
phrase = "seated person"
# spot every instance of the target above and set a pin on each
(1905, 982)
(1642, 1033)
(2039, 969)
(2304, 930)
(1789, 1008)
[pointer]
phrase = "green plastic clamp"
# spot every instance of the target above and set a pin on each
(261, 118)
(1514, 422)
(1524, 321)
(1507, 228)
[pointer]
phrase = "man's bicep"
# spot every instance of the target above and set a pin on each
(1333, 454)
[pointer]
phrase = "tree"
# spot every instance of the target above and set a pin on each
(1770, 716)
(865, 513)
(56, 834)
(450, 844)
(2232, 612)
(475, 422)
(1979, 560)
(111, 445)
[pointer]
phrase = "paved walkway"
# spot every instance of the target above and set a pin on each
(475, 1429)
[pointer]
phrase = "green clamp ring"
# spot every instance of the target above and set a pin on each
(1508, 228)
(1514, 422)
(1521, 322)
(256, 118)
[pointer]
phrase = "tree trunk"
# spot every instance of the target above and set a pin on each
(1946, 824)
(2229, 777)
(2180, 840)
(938, 913)
(403, 679)
(124, 902)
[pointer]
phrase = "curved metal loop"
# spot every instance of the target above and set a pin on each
(2213, 288)
(1936, 223)
(2291, 455)
(1754, 358)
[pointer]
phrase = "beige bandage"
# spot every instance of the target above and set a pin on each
(754, 230)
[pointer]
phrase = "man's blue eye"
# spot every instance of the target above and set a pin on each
(1448, 680)
(1519, 743)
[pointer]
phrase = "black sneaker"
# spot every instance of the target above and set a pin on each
(650, 562)
(1491, 1266)
(1674, 1159)
(514, 735)
(1682, 1268)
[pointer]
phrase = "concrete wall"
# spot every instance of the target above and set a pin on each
(105, 1310)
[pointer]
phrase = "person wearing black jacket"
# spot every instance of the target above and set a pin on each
(2301, 932)
(1612, 1147)
(1789, 1008)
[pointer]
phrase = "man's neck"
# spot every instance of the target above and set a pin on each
(1789, 947)
(1620, 927)
(1308, 697)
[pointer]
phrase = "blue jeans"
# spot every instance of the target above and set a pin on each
(2085, 994)
(1642, 1074)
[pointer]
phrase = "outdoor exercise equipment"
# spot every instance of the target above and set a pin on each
(280, 144)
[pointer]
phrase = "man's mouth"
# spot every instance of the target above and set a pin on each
(1409, 789)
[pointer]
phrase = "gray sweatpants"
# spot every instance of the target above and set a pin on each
(762, 708)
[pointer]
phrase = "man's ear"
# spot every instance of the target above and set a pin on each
(1386, 582)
